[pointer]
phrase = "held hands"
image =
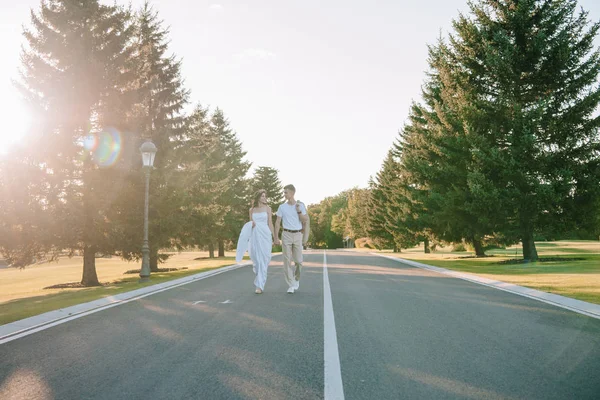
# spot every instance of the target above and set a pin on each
(276, 242)
(253, 224)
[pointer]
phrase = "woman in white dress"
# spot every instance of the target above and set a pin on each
(261, 239)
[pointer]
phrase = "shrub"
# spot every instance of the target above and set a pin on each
(458, 247)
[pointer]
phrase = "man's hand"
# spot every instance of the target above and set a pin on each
(276, 242)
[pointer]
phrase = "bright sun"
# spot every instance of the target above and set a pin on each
(15, 121)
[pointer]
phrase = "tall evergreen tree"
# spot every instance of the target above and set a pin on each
(267, 178)
(378, 204)
(409, 218)
(527, 76)
(201, 165)
(75, 70)
(435, 156)
(394, 207)
(157, 115)
(28, 232)
(234, 172)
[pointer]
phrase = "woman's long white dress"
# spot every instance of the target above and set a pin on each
(258, 241)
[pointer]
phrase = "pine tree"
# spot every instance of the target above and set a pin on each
(157, 115)
(74, 74)
(202, 166)
(410, 219)
(527, 76)
(436, 157)
(379, 201)
(267, 178)
(401, 212)
(234, 172)
(27, 228)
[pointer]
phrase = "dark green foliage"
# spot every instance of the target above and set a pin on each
(267, 178)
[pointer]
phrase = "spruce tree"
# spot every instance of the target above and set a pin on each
(267, 178)
(234, 172)
(75, 70)
(527, 76)
(202, 166)
(435, 155)
(159, 98)
(378, 203)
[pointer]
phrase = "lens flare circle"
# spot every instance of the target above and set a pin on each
(90, 142)
(105, 146)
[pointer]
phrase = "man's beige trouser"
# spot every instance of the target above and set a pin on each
(292, 249)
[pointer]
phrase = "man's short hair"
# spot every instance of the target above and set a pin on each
(290, 187)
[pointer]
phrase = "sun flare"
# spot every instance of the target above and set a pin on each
(15, 123)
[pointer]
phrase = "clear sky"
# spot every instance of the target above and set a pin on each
(316, 89)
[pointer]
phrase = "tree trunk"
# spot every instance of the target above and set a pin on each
(479, 252)
(153, 260)
(529, 250)
(426, 246)
(221, 248)
(211, 250)
(89, 278)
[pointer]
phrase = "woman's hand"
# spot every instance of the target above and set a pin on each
(253, 224)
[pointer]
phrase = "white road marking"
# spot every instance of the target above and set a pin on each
(578, 306)
(199, 301)
(334, 389)
(227, 302)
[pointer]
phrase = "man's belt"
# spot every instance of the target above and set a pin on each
(291, 231)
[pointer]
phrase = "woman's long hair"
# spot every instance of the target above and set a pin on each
(257, 197)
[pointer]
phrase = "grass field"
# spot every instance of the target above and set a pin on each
(578, 279)
(22, 292)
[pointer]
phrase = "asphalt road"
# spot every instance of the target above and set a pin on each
(401, 332)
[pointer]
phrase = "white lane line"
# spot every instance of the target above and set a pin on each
(227, 302)
(578, 306)
(334, 389)
(199, 301)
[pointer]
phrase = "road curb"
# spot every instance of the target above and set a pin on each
(27, 326)
(578, 306)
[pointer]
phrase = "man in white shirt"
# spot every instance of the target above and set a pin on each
(293, 215)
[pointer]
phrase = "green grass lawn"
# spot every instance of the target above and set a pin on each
(27, 297)
(578, 279)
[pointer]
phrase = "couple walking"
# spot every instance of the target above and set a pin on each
(258, 236)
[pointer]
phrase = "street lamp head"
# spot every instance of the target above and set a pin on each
(148, 150)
